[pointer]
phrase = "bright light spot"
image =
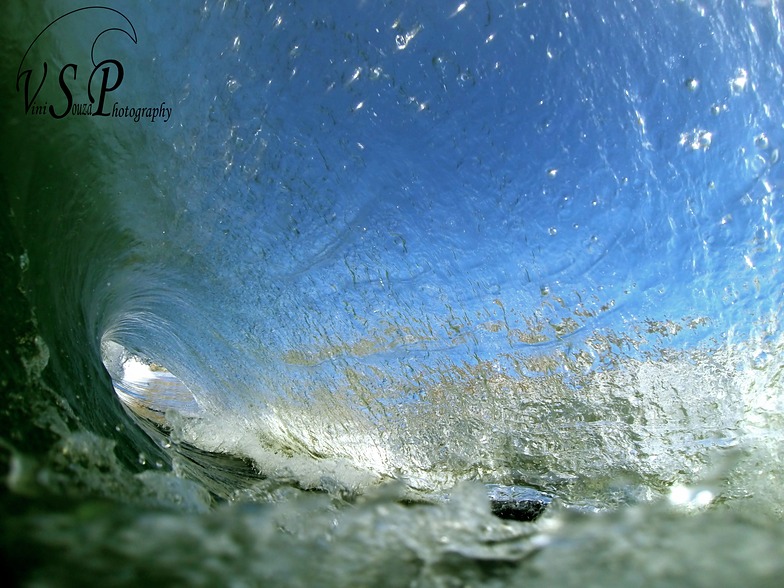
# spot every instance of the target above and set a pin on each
(136, 371)
(355, 76)
(703, 498)
(460, 8)
(685, 496)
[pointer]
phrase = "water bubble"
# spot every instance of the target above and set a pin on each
(757, 163)
(466, 78)
(698, 140)
(738, 83)
(761, 141)
(403, 39)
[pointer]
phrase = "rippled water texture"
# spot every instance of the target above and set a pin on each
(371, 266)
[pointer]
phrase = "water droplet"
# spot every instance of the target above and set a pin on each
(142, 459)
(403, 39)
(761, 141)
(466, 78)
(757, 163)
(698, 140)
(552, 172)
(738, 83)
(691, 84)
(552, 231)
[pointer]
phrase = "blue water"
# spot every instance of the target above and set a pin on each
(417, 244)
(386, 197)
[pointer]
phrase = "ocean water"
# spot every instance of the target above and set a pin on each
(292, 290)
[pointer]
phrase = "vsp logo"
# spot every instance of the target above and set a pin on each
(49, 92)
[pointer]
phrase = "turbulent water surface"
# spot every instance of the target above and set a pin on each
(301, 293)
